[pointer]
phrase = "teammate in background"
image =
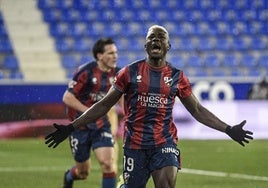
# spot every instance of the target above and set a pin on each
(89, 85)
(150, 87)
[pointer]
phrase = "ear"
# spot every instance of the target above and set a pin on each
(169, 45)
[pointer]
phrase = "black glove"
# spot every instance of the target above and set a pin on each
(238, 134)
(62, 132)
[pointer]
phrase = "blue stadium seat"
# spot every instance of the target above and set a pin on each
(51, 15)
(239, 27)
(263, 61)
(76, 30)
(218, 72)
(223, 28)
(185, 28)
(195, 61)
(213, 15)
(16, 75)
(58, 29)
(223, 44)
(11, 63)
(84, 59)
(239, 43)
(205, 43)
(186, 44)
(258, 43)
(70, 15)
(230, 61)
(6, 46)
(122, 61)
(256, 27)
(63, 45)
(69, 62)
(212, 61)
(207, 5)
(177, 60)
(81, 45)
(254, 72)
(249, 61)
(3, 31)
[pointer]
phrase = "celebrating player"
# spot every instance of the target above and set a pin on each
(89, 84)
(150, 87)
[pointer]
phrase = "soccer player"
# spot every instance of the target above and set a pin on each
(89, 84)
(150, 87)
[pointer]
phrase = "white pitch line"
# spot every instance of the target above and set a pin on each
(184, 170)
(223, 174)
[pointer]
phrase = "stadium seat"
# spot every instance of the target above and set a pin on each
(212, 61)
(263, 61)
(81, 45)
(254, 72)
(248, 61)
(58, 30)
(15, 75)
(258, 43)
(11, 63)
(6, 46)
(223, 44)
(230, 61)
(84, 59)
(205, 43)
(218, 72)
(76, 30)
(64, 45)
(195, 61)
(68, 62)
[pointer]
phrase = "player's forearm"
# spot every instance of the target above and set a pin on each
(207, 118)
(91, 115)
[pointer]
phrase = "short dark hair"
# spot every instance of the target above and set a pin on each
(100, 44)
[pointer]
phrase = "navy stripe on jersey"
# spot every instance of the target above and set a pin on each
(131, 119)
(154, 83)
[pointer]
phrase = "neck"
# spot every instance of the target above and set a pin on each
(103, 68)
(156, 62)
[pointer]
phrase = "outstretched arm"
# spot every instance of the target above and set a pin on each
(204, 116)
(96, 111)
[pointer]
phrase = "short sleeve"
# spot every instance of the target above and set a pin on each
(121, 80)
(184, 86)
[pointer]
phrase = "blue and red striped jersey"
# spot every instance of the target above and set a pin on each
(149, 96)
(89, 85)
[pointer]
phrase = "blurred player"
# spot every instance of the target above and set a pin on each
(150, 87)
(89, 84)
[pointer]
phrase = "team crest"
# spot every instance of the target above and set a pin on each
(139, 78)
(168, 81)
(94, 80)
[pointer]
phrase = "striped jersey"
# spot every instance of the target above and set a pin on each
(89, 85)
(149, 96)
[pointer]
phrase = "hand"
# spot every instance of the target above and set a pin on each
(62, 132)
(238, 134)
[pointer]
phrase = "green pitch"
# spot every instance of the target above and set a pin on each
(28, 163)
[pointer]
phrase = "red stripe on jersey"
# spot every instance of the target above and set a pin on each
(143, 86)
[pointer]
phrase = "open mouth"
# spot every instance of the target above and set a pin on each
(156, 48)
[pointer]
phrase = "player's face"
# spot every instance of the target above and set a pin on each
(109, 56)
(157, 43)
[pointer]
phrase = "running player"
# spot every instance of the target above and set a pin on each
(89, 84)
(150, 87)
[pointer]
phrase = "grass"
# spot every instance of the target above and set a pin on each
(28, 163)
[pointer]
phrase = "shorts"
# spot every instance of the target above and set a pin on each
(139, 164)
(83, 140)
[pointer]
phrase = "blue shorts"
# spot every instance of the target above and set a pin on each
(82, 141)
(139, 164)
